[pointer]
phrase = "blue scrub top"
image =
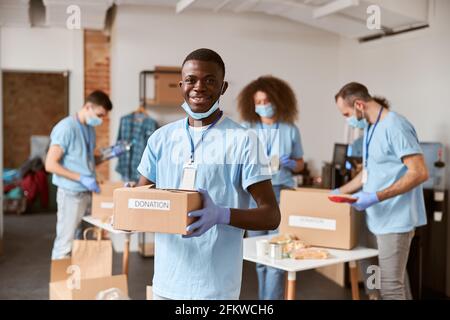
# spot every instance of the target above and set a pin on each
(209, 266)
(68, 135)
(284, 141)
(393, 139)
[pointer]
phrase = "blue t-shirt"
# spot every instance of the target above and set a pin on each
(284, 141)
(393, 139)
(68, 135)
(209, 266)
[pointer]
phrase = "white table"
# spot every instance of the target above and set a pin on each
(291, 266)
(108, 227)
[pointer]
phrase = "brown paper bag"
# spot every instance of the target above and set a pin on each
(94, 257)
(88, 289)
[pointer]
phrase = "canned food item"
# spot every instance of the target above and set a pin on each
(276, 251)
(262, 248)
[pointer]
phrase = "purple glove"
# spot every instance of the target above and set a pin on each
(90, 183)
(365, 200)
(287, 162)
(209, 216)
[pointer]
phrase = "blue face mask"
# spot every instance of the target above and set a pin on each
(355, 123)
(94, 121)
(202, 115)
(265, 110)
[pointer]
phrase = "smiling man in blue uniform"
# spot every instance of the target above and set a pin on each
(199, 153)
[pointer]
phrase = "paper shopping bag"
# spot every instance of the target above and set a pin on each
(93, 257)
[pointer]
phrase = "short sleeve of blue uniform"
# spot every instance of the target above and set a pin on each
(297, 149)
(61, 135)
(147, 166)
(404, 141)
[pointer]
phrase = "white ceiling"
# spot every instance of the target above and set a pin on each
(15, 13)
(93, 12)
(343, 17)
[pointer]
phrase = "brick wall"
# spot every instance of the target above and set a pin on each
(97, 77)
(33, 102)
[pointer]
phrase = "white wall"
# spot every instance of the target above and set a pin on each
(411, 70)
(45, 49)
(251, 45)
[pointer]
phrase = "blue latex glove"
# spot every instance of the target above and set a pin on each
(90, 183)
(287, 162)
(365, 200)
(335, 191)
(117, 150)
(209, 216)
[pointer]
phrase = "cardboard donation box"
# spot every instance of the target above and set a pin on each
(102, 203)
(154, 210)
(167, 89)
(310, 215)
(87, 273)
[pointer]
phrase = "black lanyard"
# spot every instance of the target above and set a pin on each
(369, 137)
(193, 148)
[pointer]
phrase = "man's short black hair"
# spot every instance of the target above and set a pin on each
(100, 98)
(208, 55)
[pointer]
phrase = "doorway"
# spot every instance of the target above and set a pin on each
(33, 102)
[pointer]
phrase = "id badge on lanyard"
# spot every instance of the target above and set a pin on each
(190, 168)
(274, 160)
(274, 164)
(188, 177)
(91, 164)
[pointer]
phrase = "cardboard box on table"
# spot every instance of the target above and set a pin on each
(310, 215)
(102, 203)
(154, 210)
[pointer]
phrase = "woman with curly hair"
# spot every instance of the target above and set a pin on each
(268, 105)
